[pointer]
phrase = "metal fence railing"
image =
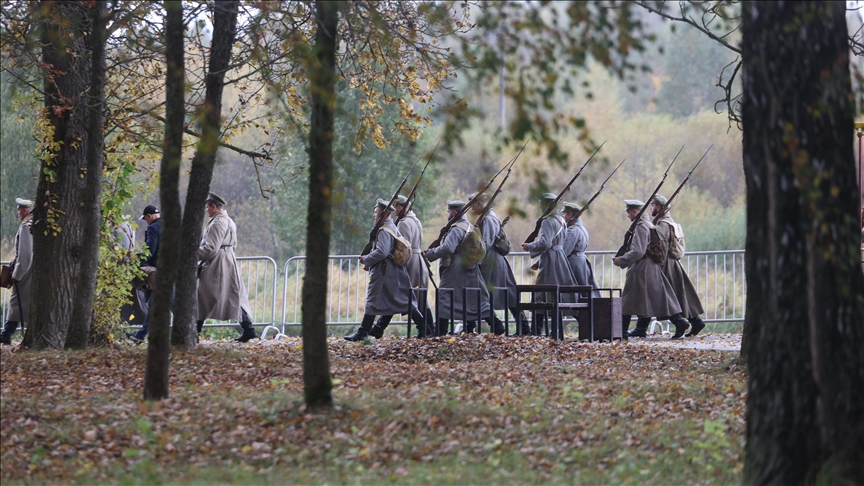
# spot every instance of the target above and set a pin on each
(717, 275)
(258, 274)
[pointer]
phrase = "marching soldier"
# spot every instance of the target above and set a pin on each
(575, 245)
(221, 293)
(458, 274)
(495, 268)
(688, 299)
(647, 292)
(549, 246)
(409, 227)
(19, 301)
(389, 284)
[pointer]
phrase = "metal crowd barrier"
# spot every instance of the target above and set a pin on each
(258, 274)
(717, 275)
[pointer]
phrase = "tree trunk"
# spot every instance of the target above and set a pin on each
(159, 349)
(805, 314)
(78, 335)
(224, 33)
(322, 74)
(58, 226)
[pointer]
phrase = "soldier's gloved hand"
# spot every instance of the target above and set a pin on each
(525, 246)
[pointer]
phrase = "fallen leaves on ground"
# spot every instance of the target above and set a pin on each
(453, 410)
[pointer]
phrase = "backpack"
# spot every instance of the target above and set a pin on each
(658, 246)
(401, 248)
(472, 248)
(502, 242)
(676, 242)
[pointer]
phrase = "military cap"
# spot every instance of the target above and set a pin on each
(215, 198)
(400, 201)
(382, 204)
(571, 208)
(23, 203)
(658, 199)
(482, 198)
(633, 204)
(455, 205)
(548, 197)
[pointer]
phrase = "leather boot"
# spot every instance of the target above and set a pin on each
(470, 326)
(8, 330)
(641, 329)
(443, 327)
(696, 325)
(248, 332)
(200, 326)
(362, 331)
(496, 325)
(681, 326)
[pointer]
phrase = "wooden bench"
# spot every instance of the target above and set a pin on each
(555, 307)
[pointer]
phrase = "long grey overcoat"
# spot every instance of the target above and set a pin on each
(455, 276)
(685, 291)
(495, 267)
(647, 292)
(412, 230)
(553, 265)
(574, 247)
(389, 284)
(221, 293)
(21, 264)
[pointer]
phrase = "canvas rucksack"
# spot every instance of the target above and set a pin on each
(658, 246)
(502, 241)
(676, 242)
(472, 248)
(401, 248)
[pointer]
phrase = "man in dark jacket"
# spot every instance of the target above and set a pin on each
(151, 242)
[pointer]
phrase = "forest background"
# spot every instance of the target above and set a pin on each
(671, 106)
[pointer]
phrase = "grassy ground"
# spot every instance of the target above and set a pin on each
(461, 410)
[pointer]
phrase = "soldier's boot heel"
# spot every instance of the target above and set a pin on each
(377, 331)
(362, 331)
(248, 332)
(681, 326)
(641, 329)
(696, 326)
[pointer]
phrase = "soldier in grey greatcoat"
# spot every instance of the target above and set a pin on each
(552, 265)
(418, 273)
(685, 291)
(575, 245)
(221, 293)
(455, 275)
(495, 268)
(19, 301)
(389, 284)
(647, 292)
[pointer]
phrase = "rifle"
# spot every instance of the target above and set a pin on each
(585, 207)
(383, 216)
(488, 206)
(413, 194)
(429, 267)
(666, 207)
(628, 236)
(456, 217)
(557, 200)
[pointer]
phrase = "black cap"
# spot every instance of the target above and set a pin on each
(151, 209)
